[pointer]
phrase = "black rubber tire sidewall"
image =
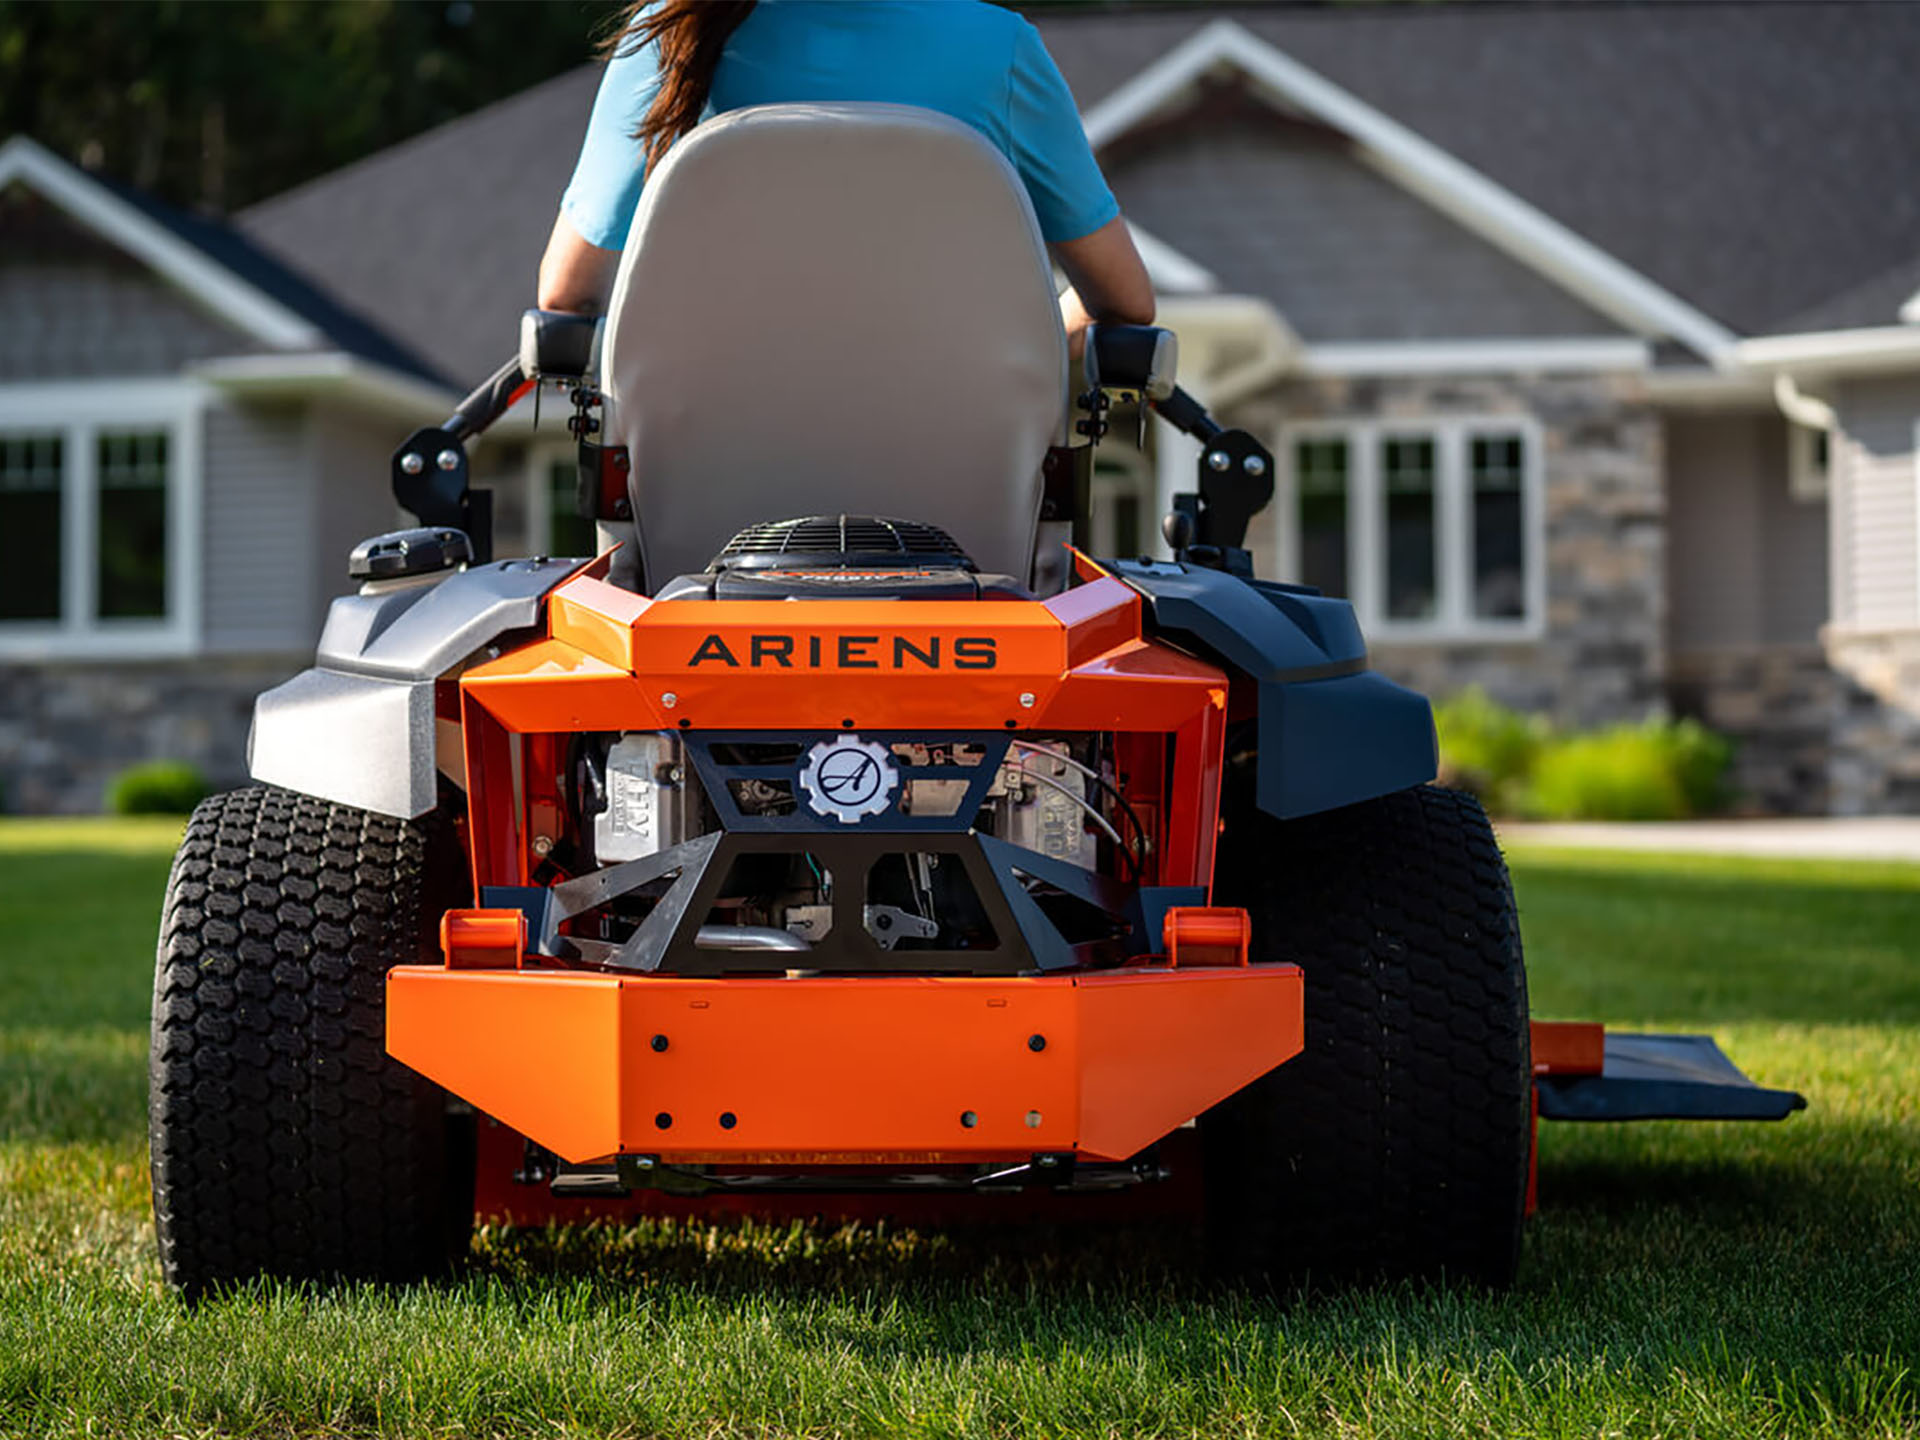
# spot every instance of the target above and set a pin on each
(284, 1140)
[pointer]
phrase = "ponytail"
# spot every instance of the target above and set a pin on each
(689, 34)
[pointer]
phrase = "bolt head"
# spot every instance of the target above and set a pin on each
(1026, 699)
(669, 700)
(413, 462)
(1254, 466)
(448, 459)
(542, 845)
(1218, 460)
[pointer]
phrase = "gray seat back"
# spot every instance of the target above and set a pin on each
(834, 308)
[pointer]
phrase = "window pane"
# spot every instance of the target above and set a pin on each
(1320, 475)
(1406, 469)
(30, 527)
(133, 526)
(571, 533)
(1499, 568)
(1126, 524)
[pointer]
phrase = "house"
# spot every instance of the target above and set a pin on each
(1587, 338)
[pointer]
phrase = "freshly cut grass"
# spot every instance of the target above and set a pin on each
(1679, 1280)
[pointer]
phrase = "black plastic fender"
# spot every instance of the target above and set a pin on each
(1332, 732)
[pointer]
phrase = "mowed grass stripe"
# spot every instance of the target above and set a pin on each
(1680, 1279)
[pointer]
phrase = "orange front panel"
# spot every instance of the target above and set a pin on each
(843, 1069)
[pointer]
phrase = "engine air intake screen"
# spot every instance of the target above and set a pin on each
(842, 539)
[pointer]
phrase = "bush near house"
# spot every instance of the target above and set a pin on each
(158, 787)
(1520, 766)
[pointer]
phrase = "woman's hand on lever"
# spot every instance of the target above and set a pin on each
(1107, 282)
(575, 276)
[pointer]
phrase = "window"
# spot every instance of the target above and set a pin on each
(31, 522)
(555, 525)
(1320, 472)
(132, 571)
(1413, 571)
(98, 532)
(1432, 530)
(1120, 500)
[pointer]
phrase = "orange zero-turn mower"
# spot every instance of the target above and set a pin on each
(848, 862)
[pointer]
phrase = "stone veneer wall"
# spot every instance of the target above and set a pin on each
(1779, 705)
(1601, 657)
(1874, 766)
(67, 729)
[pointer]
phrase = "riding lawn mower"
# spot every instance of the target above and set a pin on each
(895, 858)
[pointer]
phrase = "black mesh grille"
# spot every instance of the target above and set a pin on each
(868, 537)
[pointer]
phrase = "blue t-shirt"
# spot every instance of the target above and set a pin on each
(976, 62)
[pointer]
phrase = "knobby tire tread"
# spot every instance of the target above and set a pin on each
(284, 1140)
(1396, 1145)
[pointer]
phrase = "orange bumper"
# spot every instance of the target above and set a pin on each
(844, 1070)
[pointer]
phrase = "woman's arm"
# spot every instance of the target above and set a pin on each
(1107, 281)
(575, 275)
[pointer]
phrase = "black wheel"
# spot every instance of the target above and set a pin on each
(285, 1141)
(1396, 1144)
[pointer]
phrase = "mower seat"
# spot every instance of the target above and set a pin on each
(842, 307)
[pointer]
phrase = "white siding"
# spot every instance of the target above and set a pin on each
(1878, 551)
(259, 527)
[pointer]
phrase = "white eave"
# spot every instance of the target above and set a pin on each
(1884, 347)
(1450, 186)
(360, 383)
(244, 306)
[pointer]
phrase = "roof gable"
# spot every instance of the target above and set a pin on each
(1741, 156)
(1288, 211)
(1410, 161)
(112, 215)
(222, 273)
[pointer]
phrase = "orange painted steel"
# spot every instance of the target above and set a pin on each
(1562, 1047)
(615, 661)
(844, 1069)
(1207, 935)
(483, 939)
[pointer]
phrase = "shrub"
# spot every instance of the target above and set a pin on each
(1659, 770)
(1488, 749)
(158, 787)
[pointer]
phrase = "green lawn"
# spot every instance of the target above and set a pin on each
(1680, 1280)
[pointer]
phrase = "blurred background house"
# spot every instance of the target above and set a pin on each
(1587, 338)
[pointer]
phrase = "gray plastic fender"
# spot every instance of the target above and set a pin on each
(1332, 732)
(358, 728)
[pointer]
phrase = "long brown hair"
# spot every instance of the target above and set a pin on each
(690, 35)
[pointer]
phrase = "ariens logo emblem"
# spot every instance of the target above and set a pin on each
(848, 652)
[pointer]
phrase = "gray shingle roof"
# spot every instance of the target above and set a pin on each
(1756, 159)
(1752, 158)
(438, 239)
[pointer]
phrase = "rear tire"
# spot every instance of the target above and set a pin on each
(285, 1141)
(1396, 1144)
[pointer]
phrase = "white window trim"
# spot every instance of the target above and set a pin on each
(1366, 524)
(79, 411)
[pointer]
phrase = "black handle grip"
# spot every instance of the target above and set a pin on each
(487, 403)
(1187, 414)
